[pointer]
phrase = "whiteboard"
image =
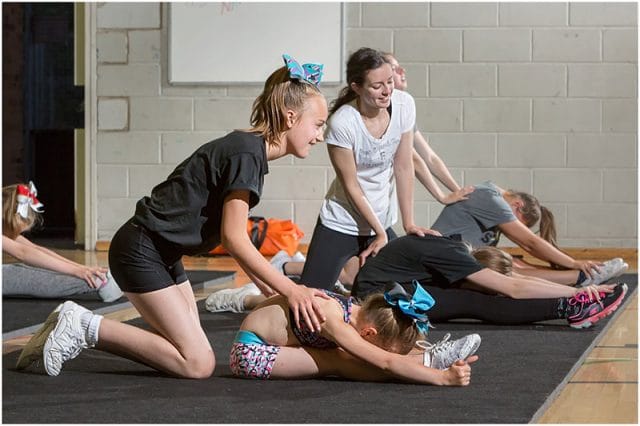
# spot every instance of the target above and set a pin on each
(237, 42)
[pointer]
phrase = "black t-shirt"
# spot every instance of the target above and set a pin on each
(186, 209)
(431, 260)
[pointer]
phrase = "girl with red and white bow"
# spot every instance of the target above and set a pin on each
(40, 272)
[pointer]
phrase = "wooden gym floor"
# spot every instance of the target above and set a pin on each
(603, 390)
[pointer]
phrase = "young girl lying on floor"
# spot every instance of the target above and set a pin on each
(368, 342)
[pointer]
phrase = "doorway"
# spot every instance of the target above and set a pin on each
(39, 56)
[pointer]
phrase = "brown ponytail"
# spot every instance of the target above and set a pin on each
(345, 96)
(548, 226)
(532, 212)
(548, 233)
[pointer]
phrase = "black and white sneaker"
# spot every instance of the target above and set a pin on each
(583, 313)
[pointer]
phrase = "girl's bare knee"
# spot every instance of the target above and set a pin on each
(201, 366)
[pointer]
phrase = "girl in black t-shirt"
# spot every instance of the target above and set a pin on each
(203, 202)
(445, 266)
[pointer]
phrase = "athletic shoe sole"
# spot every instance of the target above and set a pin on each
(476, 345)
(33, 350)
(588, 322)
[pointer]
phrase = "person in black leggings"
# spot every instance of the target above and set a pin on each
(369, 138)
(456, 280)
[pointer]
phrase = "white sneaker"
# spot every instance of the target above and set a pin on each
(32, 352)
(67, 339)
(443, 354)
(610, 269)
(279, 259)
(230, 299)
(298, 257)
(109, 291)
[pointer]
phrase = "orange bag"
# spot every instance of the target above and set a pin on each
(270, 236)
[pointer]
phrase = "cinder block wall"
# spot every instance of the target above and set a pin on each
(540, 97)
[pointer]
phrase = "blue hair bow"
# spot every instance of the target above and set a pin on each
(414, 306)
(311, 73)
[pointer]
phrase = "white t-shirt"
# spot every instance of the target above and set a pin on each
(374, 165)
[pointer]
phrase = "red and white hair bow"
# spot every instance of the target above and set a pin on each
(26, 198)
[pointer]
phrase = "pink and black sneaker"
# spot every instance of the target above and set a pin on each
(583, 313)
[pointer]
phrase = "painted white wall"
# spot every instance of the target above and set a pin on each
(539, 97)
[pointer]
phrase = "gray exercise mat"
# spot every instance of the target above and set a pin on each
(22, 316)
(519, 368)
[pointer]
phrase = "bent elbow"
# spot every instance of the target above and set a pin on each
(224, 240)
(229, 243)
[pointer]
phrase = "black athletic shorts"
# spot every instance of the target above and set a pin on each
(141, 261)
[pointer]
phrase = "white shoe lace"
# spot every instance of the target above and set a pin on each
(71, 348)
(437, 347)
(72, 341)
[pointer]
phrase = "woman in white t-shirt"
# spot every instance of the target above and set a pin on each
(370, 142)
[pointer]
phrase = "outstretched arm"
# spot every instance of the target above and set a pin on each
(345, 166)
(434, 162)
(533, 244)
(423, 174)
(400, 366)
(404, 172)
(34, 255)
(520, 287)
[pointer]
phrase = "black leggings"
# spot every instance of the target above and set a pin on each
(329, 251)
(453, 303)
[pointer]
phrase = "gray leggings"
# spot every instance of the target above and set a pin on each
(20, 280)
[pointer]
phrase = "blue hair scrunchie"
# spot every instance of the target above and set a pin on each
(415, 306)
(310, 73)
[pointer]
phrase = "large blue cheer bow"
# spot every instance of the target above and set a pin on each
(415, 306)
(311, 73)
